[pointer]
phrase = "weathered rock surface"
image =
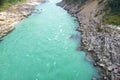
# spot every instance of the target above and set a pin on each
(10, 17)
(101, 41)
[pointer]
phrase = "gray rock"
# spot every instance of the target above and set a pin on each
(102, 39)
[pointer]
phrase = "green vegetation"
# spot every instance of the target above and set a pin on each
(113, 12)
(114, 5)
(6, 3)
(112, 18)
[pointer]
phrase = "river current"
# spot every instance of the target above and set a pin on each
(44, 47)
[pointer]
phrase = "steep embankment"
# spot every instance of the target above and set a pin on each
(102, 41)
(15, 14)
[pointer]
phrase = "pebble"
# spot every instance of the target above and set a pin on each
(110, 68)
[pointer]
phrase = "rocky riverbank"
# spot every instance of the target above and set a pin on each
(101, 41)
(10, 17)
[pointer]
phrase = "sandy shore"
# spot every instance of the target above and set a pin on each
(12, 16)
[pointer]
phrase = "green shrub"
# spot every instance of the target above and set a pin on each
(112, 18)
(112, 10)
(7, 3)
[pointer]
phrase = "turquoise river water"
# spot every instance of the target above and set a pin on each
(40, 48)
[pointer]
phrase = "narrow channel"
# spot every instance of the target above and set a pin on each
(44, 47)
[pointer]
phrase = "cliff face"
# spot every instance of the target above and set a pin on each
(101, 41)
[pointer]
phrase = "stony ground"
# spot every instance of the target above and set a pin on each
(100, 40)
(10, 17)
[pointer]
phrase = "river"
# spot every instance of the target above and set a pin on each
(41, 48)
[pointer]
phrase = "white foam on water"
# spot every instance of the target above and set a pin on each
(55, 1)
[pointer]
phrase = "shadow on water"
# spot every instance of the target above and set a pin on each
(75, 36)
(1, 39)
